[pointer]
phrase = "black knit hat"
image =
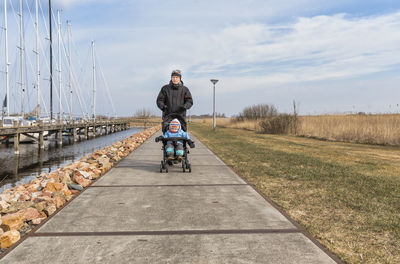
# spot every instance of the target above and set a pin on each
(176, 73)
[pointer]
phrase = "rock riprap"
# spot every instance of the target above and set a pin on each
(27, 205)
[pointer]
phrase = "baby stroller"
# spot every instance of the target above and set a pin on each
(185, 160)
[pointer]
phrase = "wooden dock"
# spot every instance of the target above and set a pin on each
(97, 128)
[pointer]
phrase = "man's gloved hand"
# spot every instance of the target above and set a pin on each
(165, 108)
(159, 138)
(182, 108)
(191, 144)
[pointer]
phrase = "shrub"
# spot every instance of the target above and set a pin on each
(257, 112)
(280, 124)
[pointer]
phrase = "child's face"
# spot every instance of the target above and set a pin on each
(173, 128)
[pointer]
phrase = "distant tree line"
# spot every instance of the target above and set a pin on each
(222, 115)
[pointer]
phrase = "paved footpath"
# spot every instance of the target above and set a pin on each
(135, 214)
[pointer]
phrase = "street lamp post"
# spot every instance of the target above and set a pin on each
(214, 81)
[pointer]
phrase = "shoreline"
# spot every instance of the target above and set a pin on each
(26, 206)
(31, 162)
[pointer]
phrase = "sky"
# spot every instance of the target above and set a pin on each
(328, 56)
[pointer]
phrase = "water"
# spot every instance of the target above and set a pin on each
(18, 169)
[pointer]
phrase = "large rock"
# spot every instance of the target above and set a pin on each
(82, 165)
(59, 199)
(84, 173)
(17, 206)
(35, 195)
(75, 191)
(38, 220)
(47, 193)
(53, 177)
(25, 196)
(66, 190)
(75, 187)
(15, 198)
(104, 161)
(20, 188)
(96, 172)
(33, 187)
(40, 206)
(116, 159)
(65, 177)
(31, 213)
(4, 206)
(5, 196)
(43, 183)
(70, 167)
(50, 209)
(47, 207)
(53, 187)
(81, 180)
(43, 198)
(9, 238)
(13, 221)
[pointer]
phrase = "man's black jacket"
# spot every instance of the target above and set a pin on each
(174, 100)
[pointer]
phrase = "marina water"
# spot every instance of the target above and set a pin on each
(17, 169)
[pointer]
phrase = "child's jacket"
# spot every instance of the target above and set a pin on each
(180, 133)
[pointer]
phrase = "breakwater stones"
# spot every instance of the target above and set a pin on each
(27, 205)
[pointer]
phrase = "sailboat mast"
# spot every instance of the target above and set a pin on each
(6, 57)
(21, 48)
(59, 64)
(37, 60)
(51, 63)
(94, 82)
(70, 70)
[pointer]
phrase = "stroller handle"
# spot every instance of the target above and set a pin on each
(175, 139)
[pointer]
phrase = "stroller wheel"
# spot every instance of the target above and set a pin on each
(190, 167)
(162, 166)
(166, 169)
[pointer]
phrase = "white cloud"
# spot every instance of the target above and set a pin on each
(317, 48)
(253, 55)
(243, 49)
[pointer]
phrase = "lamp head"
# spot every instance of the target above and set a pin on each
(214, 81)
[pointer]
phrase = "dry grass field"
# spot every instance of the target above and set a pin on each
(382, 129)
(346, 195)
(370, 129)
(144, 122)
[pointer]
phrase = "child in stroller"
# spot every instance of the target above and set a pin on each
(174, 146)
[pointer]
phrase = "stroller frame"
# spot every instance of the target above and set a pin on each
(186, 166)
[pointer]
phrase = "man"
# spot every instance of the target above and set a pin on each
(174, 99)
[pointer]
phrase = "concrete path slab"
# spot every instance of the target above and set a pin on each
(218, 249)
(154, 161)
(135, 214)
(121, 209)
(175, 176)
